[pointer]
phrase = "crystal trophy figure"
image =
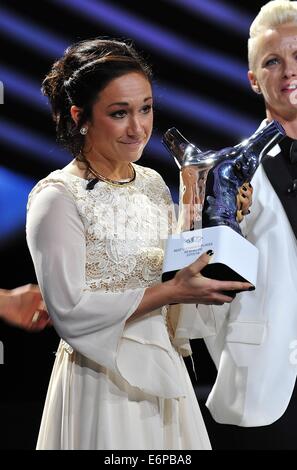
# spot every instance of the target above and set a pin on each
(209, 184)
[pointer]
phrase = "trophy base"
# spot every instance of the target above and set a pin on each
(234, 259)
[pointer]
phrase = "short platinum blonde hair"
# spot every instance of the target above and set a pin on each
(271, 15)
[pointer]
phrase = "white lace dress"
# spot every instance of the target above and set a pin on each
(114, 385)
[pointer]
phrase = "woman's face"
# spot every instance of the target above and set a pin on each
(122, 119)
(275, 74)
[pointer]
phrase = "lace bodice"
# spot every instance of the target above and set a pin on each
(125, 228)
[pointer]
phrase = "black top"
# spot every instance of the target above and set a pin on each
(281, 171)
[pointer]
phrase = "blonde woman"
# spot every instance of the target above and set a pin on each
(255, 350)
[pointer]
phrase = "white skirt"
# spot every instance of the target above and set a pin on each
(88, 407)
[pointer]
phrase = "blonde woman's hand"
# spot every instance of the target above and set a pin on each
(244, 201)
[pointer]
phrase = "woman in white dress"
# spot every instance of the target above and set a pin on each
(95, 231)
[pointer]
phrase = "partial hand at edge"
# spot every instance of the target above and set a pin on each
(24, 307)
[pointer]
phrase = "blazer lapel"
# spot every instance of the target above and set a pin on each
(281, 171)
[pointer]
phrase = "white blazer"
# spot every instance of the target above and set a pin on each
(255, 346)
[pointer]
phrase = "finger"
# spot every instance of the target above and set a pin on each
(220, 299)
(224, 300)
(245, 205)
(35, 303)
(39, 321)
(239, 216)
(44, 315)
(35, 317)
(42, 306)
(40, 317)
(233, 285)
(246, 211)
(203, 260)
(248, 195)
(31, 288)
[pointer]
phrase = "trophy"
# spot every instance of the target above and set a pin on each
(209, 185)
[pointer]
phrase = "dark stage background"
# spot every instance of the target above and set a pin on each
(198, 51)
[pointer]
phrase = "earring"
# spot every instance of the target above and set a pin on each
(83, 130)
(258, 91)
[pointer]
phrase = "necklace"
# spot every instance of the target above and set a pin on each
(98, 176)
(113, 182)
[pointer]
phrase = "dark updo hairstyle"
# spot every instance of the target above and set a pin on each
(76, 79)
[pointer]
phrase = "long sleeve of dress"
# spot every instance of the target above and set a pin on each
(90, 321)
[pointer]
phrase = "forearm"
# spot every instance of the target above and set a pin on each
(154, 297)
